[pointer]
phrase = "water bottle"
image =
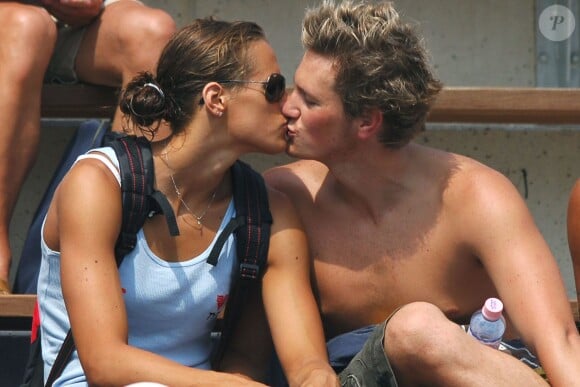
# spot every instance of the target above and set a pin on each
(488, 325)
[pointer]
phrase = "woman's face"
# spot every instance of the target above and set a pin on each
(257, 124)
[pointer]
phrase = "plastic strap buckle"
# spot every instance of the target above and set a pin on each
(249, 271)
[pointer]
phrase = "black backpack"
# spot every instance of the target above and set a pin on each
(140, 200)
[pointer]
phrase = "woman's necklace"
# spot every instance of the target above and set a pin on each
(198, 218)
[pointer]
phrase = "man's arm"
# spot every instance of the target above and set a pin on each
(573, 221)
(494, 221)
(289, 303)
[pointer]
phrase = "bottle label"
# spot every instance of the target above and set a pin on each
(492, 344)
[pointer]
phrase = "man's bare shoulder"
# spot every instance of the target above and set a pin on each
(297, 178)
(479, 183)
(457, 179)
(478, 202)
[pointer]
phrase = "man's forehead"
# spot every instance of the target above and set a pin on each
(315, 70)
(323, 62)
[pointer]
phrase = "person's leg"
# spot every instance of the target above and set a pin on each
(370, 366)
(425, 348)
(127, 38)
(26, 44)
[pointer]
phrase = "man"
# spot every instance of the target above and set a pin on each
(402, 230)
(65, 41)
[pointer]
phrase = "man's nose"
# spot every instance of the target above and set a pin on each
(289, 108)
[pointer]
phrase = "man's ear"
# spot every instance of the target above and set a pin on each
(213, 98)
(369, 123)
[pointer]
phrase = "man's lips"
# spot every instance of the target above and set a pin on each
(290, 133)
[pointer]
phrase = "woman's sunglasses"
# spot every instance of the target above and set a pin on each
(274, 86)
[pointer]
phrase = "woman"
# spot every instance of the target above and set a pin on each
(219, 91)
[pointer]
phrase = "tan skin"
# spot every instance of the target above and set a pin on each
(73, 12)
(573, 222)
(390, 227)
(210, 144)
(120, 41)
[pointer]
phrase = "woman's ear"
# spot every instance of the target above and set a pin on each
(213, 98)
(369, 123)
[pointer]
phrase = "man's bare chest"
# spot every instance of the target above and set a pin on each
(363, 275)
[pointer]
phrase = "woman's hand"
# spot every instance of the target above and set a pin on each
(317, 376)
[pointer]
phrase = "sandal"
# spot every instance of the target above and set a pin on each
(4, 287)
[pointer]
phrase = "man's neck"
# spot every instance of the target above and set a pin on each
(374, 180)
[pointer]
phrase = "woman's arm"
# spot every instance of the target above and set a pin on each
(88, 214)
(250, 349)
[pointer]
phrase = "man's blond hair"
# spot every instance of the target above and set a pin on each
(380, 62)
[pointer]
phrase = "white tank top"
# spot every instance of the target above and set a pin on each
(171, 306)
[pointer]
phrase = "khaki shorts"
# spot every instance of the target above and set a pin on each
(61, 68)
(370, 367)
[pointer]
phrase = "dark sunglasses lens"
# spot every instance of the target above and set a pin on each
(275, 88)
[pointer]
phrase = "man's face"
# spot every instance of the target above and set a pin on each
(317, 124)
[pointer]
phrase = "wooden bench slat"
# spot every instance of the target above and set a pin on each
(17, 305)
(454, 104)
(507, 105)
(78, 101)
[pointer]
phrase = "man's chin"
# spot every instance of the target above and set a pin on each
(291, 149)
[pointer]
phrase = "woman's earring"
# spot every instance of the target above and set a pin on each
(220, 113)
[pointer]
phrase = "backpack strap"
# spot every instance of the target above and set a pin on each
(252, 221)
(252, 230)
(253, 238)
(139, 200)
(62, 359)
(137, 186)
